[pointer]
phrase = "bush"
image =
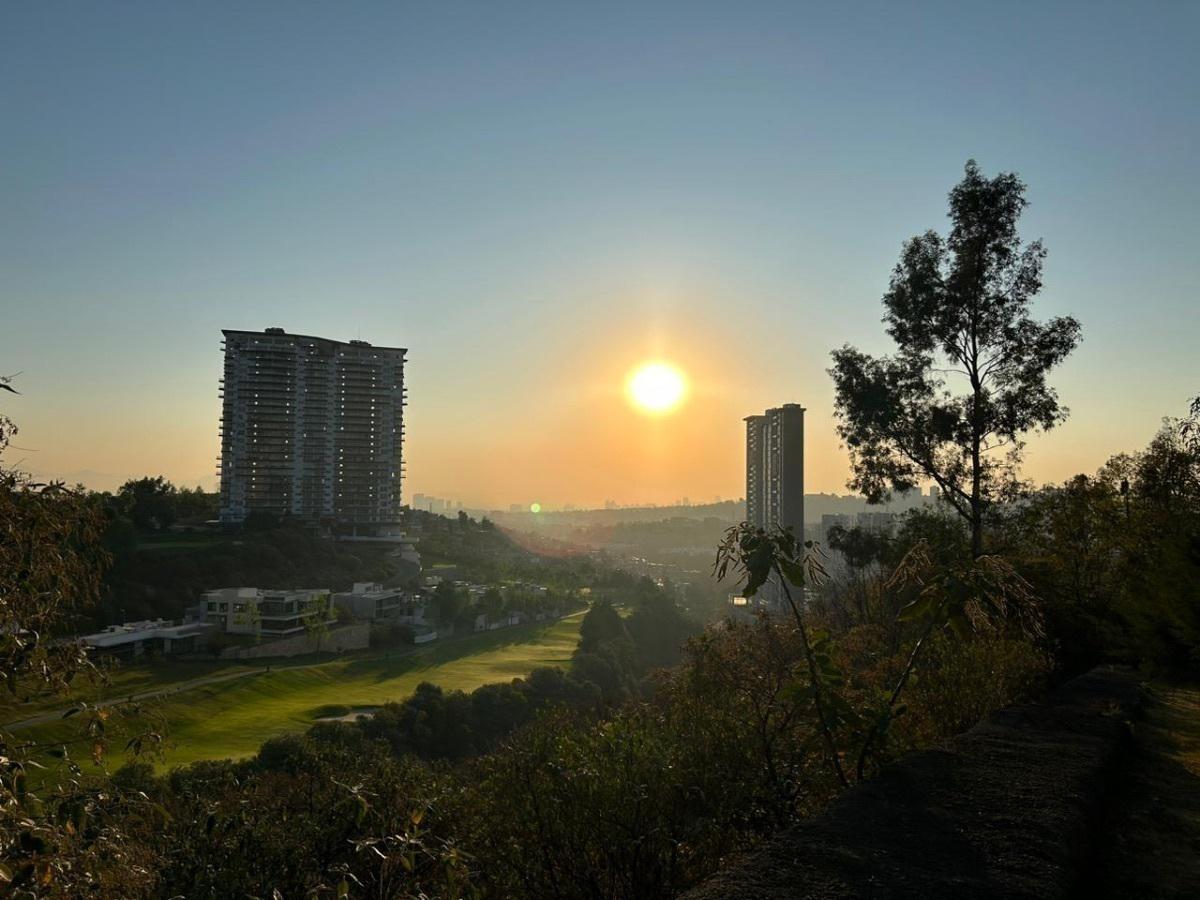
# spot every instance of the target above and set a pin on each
(962, 682)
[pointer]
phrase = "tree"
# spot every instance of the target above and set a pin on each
(658, 629)
(1160, 599)
(958, 305)
(492, 604)
(448, 603)
(51, 563)
(195, 506)
(1189, 428)
(601, 625)
(55, 839)
(861, 547)
(864, 552)
(150, 502)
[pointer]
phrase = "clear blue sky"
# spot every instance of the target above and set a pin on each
(534, 197)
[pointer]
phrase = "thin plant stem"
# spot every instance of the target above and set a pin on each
(818, 694)
(899, 687)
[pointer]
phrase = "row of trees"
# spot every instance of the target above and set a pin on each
(154, 504)
(450, 604)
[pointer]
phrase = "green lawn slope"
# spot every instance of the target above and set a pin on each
(232, 718)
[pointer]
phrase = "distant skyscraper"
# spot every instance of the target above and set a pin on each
(775, 468)
(311, 428)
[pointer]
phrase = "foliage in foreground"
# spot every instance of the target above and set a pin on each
(637, 798)
(69, 836)
(960, 597)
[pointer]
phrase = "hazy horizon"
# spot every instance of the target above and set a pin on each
(536, 200)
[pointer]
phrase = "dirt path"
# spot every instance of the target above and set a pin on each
(1151, 849)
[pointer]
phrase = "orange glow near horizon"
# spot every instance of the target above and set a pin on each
(561, 427)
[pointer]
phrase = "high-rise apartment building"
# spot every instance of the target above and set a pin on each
(775, 468)
(311, 428)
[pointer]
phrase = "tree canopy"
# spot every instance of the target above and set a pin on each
(957, 306)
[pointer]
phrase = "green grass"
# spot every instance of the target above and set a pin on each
(233, 718)
(121, 682)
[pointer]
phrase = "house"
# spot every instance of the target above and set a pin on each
(155, 636)
(369, 601)
(413, 608)
(268, 613)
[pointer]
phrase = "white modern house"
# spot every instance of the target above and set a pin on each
(268, 613)
(156, 636)
(370, 601)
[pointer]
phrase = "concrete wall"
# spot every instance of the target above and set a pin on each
(349, 637)
(1008, 809)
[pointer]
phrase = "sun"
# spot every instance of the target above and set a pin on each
(656, 388)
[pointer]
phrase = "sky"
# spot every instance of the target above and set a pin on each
(535, 198)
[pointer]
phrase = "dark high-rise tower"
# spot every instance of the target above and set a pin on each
(775, 468)
(311, 428)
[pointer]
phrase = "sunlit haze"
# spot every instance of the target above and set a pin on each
(538, 199)
(657, 388)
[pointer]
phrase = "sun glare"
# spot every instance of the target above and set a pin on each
(656, 388)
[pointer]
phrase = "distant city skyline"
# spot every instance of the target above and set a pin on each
(537, 200)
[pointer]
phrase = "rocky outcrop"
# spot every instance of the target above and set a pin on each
(1008, 809)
